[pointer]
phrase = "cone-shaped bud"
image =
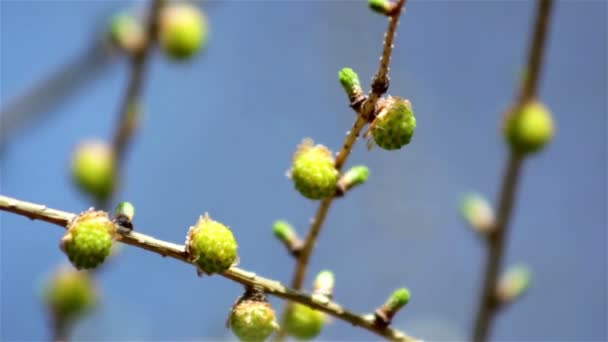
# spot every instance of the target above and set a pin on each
(478, 212)
(287, 235)
(396, 301)
(313, 171)
(211, 246)
(252, 318)
(530, 128)
(357, 175)
(88, 240)
(381, 6)
(514, 283)
(350, 82)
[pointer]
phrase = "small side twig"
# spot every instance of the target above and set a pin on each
(178, 252)
(489, 304)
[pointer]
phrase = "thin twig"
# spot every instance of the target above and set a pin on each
(496, 240)
(364, 116)
(178, 252)
(362, 119)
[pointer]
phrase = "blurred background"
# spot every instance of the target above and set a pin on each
(218, 133)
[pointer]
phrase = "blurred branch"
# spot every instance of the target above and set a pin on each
(53, 90)
(175, 251)
(129, 112)
(496, 239)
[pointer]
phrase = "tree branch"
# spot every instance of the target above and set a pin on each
(363, 117)
(496, 240)
(167, 249)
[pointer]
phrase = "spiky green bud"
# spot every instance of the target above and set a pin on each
(69, 294)
(303, 322)
(88, 240)
(350, 82)
(127, 32)
(313, 171)
(357, 175)
(477, 211)
(211, 246)
(529, 129)
(380, 6)
(252, 318)
(183, 30)
(394, 124)
(93, 168)
(514, 283)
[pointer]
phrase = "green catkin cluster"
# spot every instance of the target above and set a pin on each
(211, 246)
(313, 171)
(69, 294)
(183, 30)
(529, 129)
(252, 318)
(89, 239)
(93, 168)
(395, 124)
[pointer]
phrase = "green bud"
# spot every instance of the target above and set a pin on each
(125, 209)
(394, 124)
(211, 245)
(303, 322)
(127, 32)
(478, 212)
(381, 6)
(183, 30)
(89, 238)
(514, 283)
(324, 283)
(69, 294)
(357, 175)
(93, 168)
(313, 172)
(398, 299)
(350, 82)
(530, 128)
(283, 231)
(252, 318)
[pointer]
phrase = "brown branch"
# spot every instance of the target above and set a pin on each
(178, 252)
(489, 305)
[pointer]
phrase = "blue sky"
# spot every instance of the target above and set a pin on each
(218, 134)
